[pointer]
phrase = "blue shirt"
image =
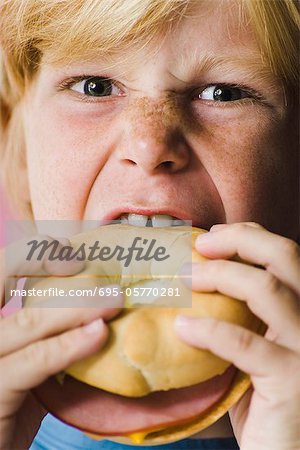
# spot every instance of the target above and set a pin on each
(55, 435)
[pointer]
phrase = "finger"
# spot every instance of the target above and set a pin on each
(266, 296)
(14, 262)
(32, 324)
(247, 351)
(18, 259)
(9, 285)
(36, 362)
(221, 226)
(277, 254)
(60, 266)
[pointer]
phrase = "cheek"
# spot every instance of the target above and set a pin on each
(251, 168)
(65, 151)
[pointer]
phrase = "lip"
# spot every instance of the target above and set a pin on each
(116, 213)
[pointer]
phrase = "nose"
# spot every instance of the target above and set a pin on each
(153, 139)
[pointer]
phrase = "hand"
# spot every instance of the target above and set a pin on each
(36, 343)
(268, 415)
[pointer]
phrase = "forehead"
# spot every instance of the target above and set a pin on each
(218, 24)
(211, 33)
(100, 32)
(216, 34)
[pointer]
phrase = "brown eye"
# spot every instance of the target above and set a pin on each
(98, 87)
(220, 93)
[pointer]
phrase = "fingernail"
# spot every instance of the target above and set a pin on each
(217, 227)
(113, 297)
(95, 327)
(183, 321)
(204, 239)
(64, 267)
(65, 242)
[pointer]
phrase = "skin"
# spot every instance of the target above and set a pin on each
(233, 160)
(216, 163)
(267, 416)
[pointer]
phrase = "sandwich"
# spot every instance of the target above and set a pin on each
(146, 386)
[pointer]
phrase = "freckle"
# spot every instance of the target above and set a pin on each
(159, 116)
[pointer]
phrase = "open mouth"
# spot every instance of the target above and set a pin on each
(152, 220)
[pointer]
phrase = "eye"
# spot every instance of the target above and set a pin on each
(96, 87)
(223, 93)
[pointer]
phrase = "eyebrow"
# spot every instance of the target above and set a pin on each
(248, 65)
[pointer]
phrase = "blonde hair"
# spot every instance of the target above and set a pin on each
(71, 29)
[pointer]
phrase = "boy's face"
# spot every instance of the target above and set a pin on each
(174, 132)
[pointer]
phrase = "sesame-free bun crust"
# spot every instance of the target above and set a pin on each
(143, 353)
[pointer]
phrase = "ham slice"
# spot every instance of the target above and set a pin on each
(97, 411)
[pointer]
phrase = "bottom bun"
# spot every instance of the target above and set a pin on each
(240, 385)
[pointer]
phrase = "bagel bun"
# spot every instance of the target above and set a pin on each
(143, 358)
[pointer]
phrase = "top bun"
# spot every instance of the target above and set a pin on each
(143, 354)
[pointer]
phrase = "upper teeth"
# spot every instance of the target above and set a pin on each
(155, 220)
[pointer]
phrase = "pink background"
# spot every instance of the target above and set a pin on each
(5, 214)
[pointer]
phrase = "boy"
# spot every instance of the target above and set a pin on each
(179, 108)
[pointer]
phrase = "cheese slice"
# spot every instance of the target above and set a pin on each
(138, 438)
(96, 437)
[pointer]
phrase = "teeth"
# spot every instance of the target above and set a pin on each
(138, 220)
(178, 222)
(156, 220)
(162, 220)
